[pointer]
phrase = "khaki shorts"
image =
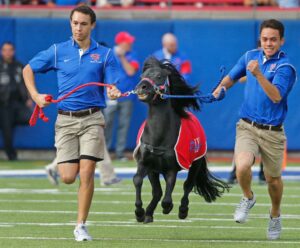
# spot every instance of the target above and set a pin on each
(79, 137)
(270, 144)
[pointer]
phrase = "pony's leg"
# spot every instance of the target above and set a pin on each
(138, 182)
(156, 196)
(167, 204)
(187, 188)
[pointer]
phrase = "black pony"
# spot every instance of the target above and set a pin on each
(155, 155)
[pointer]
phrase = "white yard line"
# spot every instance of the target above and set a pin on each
(105, 191)
(134, 224)
(131, 213)
(127, 171)
(125, 202)
(191, 217)
(193, 203)
(197, 241)
(119, 191)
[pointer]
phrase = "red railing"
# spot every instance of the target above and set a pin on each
(188, 2)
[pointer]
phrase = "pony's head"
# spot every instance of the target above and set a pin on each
(161, 77)
(153, 81)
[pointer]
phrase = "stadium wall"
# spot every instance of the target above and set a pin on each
(208, 43)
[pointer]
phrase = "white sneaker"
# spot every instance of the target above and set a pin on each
(115, 180)
(81, 233)
(242, 210)
(274, 228)
(52, 175)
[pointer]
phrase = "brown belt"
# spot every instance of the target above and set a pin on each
(79, 113)
(263, 126)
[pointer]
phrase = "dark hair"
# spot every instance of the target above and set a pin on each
(274, 24)
(84, 9)
(8, 43)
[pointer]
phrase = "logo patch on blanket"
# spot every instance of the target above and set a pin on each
(191, 143)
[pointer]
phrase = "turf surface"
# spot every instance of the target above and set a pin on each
(33, 214)
(39, 164)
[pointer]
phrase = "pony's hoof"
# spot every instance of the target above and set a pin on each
(183, 213)
(167, 208)
(140, 215)
(148, 219)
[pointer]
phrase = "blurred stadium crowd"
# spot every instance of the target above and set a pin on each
(156, 3)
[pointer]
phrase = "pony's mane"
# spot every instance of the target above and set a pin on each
(151, 62)
(178, 86)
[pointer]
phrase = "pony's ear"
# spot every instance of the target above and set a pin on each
(150, 62)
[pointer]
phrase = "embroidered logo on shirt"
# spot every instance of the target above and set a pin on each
(95, 58)
(66, 60)
(272, 67)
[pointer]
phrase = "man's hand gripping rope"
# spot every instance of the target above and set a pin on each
(207, 98)
(38, 113)
(211, 97)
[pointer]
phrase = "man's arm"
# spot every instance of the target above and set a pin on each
(226, 82)
(270, 89)
(243, 79)
(111, 76)
(238, 71)
(128, 67)
(29, 80)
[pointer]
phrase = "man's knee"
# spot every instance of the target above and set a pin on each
(87, 171)
(244, 160)
(273, 182)
(67, 179)
(68, 172)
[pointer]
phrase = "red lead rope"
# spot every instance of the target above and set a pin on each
(39, 113)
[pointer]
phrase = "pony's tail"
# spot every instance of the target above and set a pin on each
(205, 184)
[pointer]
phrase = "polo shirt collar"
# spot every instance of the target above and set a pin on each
(276, 56)
(93, 44)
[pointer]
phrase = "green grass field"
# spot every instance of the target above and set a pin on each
(36, 164)
(34, 214)
(39, 164)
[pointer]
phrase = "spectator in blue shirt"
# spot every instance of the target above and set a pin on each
(288, 3)
(270, 78)
(170, 52)
(129, 67)
(79, 138)
(52, 3)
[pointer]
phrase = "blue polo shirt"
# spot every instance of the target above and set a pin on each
(257, 106)
(96, 64)
(179, 60)
(128, 83)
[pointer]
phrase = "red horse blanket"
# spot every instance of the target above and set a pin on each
(191, 143)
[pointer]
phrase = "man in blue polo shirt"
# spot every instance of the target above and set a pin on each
(270, 78)
(79, 138)
(170, 52)
(129, 67)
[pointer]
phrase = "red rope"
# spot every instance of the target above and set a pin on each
(39, 113)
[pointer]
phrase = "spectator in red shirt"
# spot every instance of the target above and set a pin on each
(129, 67)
